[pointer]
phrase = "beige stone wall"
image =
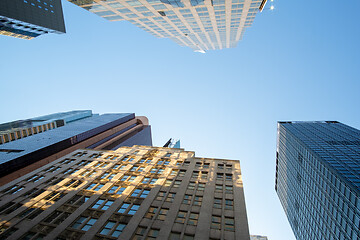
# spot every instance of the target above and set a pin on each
(131, 193)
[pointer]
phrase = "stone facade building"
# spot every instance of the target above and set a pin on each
(138, 192)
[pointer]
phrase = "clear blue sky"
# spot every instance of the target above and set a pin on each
(299, 62)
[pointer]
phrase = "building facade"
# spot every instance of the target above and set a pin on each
(34, 145)
(137, 192)
(318, 179)
(15, 130)
(199, 24)
(28, 19)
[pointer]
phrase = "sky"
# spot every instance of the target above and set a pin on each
(298, 62)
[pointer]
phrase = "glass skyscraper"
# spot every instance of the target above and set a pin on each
(199, 24)
(27, 19)
(318, 179)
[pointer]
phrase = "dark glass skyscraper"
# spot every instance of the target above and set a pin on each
(32, 143)
(30, 18)
(318, 179)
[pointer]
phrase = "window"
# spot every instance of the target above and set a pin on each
(116, 190)
(201, 187)
(73, 183)
(104, 175)
(182, 173)
(228, 177)
(54, 196)
(229, 204)
(35, 178)
(14, 189)
(133, 209)
(138, 192)
(128, 178)
(52, 169)
(138, 169)
(187, 199)
(229, 189)
(193, 218)
(95, 187)
(126, 209)
(108, 176)
(218, 188)
(83, 163)
(175, 236)
(219, 176)
(145, 193)
(186, 163)
(220, 166)
(140, 231)
(148, 180)
(131, 179)
(181, 217)
(153, 233)
(123, 208)
(167, 183)
(84, 223)
(160, 196)
(96, 155)
(116, 166)
(197, 201)
(103, 204)
(229, 224)
(98, 203)
(204, 175)
(57, 217)
(107, 228)
(174, 172)
(162, 214)
(177, 184)
(78, 200)
(113, 229)
(215, 222)
(151, 212)
(170, 197)
(88, 173)
(191, 186)
(195, 174)
(217, 203)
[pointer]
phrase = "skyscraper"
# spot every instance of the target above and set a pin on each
(318, 179)
(135, 192)
(199, 24)
(31, 18)
(38, 141)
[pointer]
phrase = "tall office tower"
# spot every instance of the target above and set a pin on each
(32, 143)
(28, 19)
(199, 24)
(131, 193)
(258, 237)
(318, 179)
(15, 130)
